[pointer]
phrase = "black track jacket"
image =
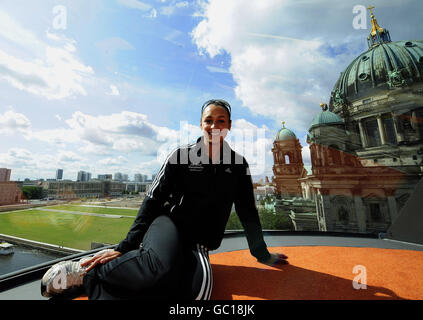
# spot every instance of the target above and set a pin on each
(198, 196)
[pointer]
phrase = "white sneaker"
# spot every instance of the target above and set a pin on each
(65, 275)
(62, 276)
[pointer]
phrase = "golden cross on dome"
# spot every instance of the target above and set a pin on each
(283, 123)
(375, 26)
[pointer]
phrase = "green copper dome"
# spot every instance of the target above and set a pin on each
(386, 65)
(285, 134)
(326, 118)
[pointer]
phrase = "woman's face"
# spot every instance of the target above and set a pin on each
(215, 124)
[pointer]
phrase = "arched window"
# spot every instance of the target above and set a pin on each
(287, 159)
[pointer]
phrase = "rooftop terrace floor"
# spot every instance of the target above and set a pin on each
(321, 267)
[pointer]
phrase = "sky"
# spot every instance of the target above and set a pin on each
(114, 86)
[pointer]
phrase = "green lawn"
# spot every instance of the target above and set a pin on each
(78, 231)
(63, 229)
(125, 212)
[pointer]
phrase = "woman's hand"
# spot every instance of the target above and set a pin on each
(103, 258)
(275, 259)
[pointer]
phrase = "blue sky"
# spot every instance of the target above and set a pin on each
(103, 86)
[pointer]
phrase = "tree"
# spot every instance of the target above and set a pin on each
(32, 192)
(268, 219)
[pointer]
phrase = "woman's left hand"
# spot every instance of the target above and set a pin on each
(275, 259)
(102, 259)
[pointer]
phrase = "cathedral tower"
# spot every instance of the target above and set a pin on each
(288, 164)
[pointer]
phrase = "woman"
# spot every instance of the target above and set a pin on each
(184, 215)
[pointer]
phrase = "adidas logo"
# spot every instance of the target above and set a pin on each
(228, 170)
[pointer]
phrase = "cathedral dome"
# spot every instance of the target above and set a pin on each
(326, 118)
(385, 65)
(285, 134)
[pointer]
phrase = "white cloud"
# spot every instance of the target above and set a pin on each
(111, 45)
(35, 165)
(14, 33)
(182, 4)
(53, 72)
(152, 14)
(93, 149)
(60, 137)
(113, 161)
(128, 145)
(217, 69)
(167, 11)
(114, 91)
(19, 154)
(69, 156)
(120, 132)
(135, 4)
(278, 57)
(173, 37)
(13, 122)
(27, 162)
(171, 9)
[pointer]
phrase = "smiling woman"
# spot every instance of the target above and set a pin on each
(165, 253)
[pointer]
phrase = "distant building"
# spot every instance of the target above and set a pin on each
(104, 177)
(83, 176)
(83, 189)
(59, 174)
(264, 191)
(10, 193)
(118, 176)
(140, 177)
(137, 186)
(5, 174)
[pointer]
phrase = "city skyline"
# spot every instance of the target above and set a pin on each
(137, 177)
(110, 87)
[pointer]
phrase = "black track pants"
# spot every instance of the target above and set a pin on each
(162, 268)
